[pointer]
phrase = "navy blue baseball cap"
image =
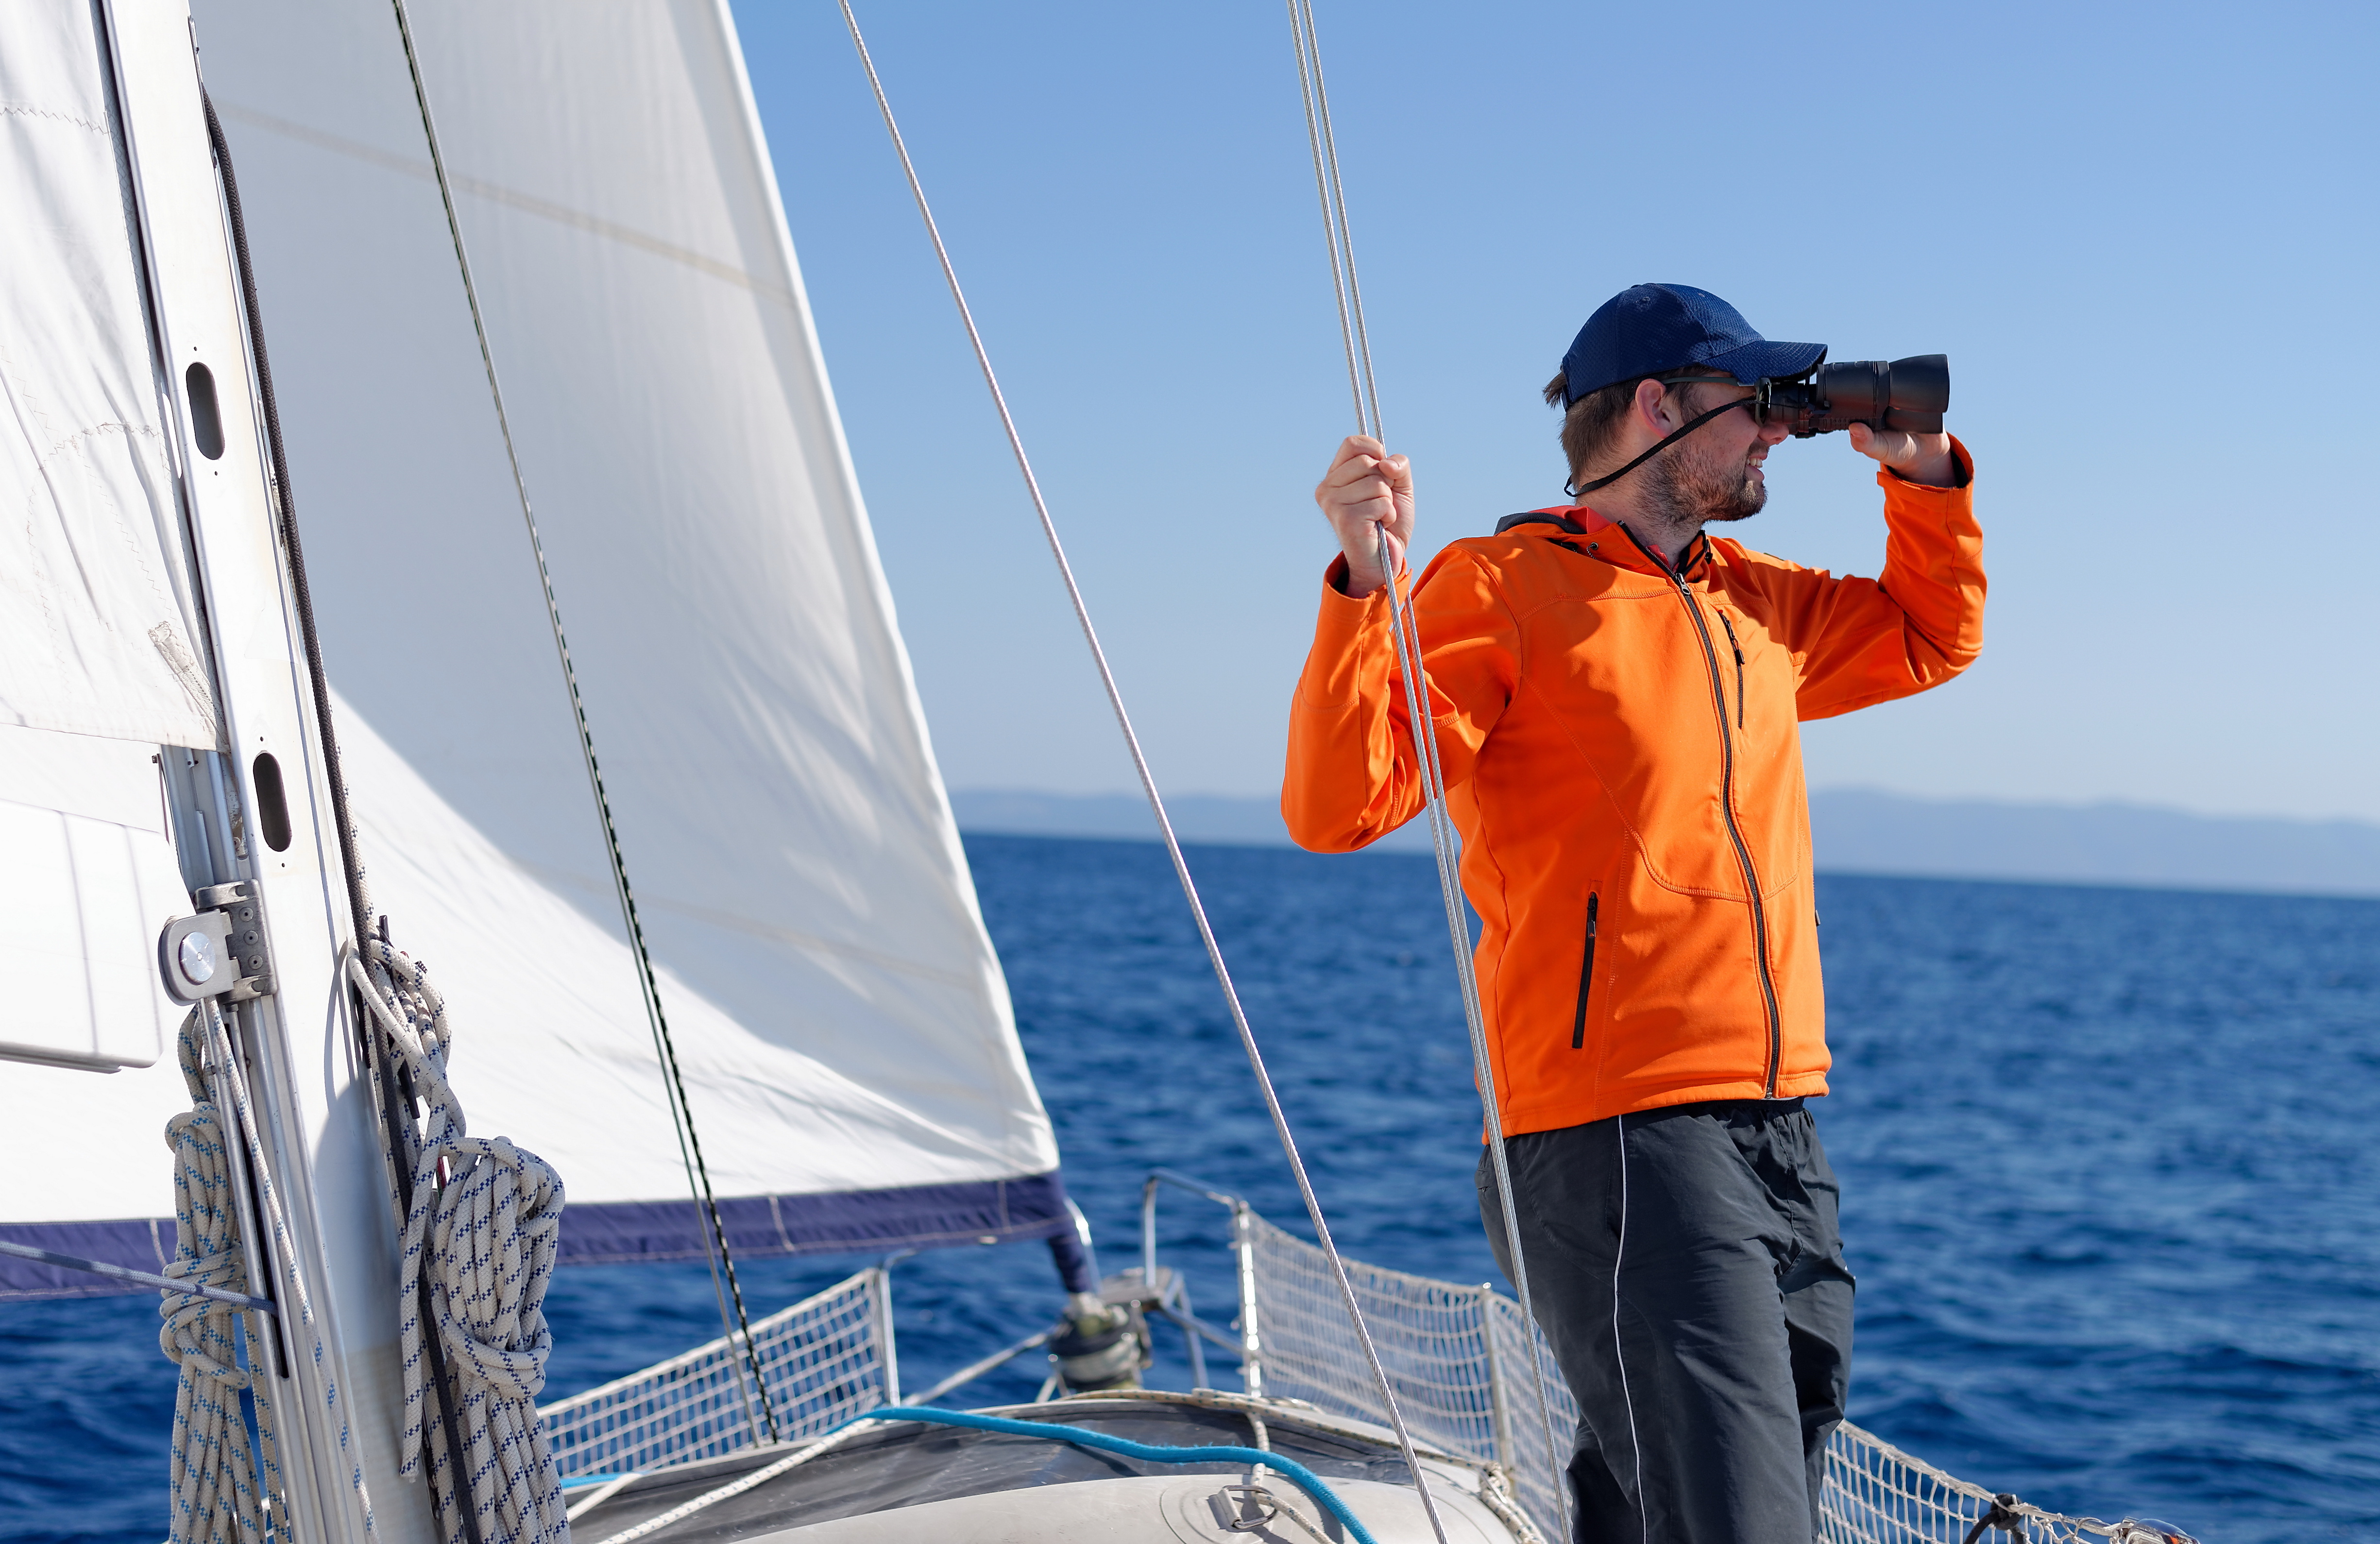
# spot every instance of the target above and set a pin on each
(1652, 329)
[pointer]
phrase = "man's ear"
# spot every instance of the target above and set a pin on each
(1653, 408)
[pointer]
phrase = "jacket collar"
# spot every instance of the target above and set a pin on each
(1609, 539)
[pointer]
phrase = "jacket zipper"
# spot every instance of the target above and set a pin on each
(1727, 811)
(1731, 643)
(1585, 978)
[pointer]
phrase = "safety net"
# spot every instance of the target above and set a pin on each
(826, 1359)
(1458, 1357)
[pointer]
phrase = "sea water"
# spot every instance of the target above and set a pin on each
(2107, 1160)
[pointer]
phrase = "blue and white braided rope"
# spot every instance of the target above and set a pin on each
(217, 1495)
(481, 1234)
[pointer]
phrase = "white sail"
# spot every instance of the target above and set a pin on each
(551, 1042)
(842, 1025)
(95, 627)
(797, 866)
(92, 879)
(97, 647)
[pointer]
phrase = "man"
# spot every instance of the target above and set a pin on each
(1616, 696)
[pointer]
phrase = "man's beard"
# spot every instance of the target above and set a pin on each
(1686, 490)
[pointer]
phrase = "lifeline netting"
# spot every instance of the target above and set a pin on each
(827, 1358)
(1459, 1391)
(1457, 1358)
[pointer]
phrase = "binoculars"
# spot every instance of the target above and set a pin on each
(1911, 393)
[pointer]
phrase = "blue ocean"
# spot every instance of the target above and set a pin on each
(2107, 1160)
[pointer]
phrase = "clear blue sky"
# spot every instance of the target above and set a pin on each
(2144, 236)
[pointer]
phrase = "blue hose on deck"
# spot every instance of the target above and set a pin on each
(1305, 1479)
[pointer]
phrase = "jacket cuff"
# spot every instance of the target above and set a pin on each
(1889, 480)
(1332, 667)
(1334, 581)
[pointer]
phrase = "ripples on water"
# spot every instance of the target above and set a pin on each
(2105, 1157)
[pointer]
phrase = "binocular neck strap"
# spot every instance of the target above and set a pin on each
(1691, 424)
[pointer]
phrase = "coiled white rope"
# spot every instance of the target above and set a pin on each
(218, 1085)
(218, 1497)
(1405, 626)
(482, 1236)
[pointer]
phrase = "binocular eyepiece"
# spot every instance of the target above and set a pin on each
(1911, 393)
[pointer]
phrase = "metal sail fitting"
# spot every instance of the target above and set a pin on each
(222, 952)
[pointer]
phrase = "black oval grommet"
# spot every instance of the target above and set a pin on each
(272, 801)
(206, 413)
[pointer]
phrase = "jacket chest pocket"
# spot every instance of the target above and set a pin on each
(1748, 668)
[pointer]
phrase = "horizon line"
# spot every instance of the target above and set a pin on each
(1866, 789)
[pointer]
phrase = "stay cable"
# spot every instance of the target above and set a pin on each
(1148, 786)
(1405, 627)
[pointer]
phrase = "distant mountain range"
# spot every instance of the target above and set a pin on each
(1856, 831)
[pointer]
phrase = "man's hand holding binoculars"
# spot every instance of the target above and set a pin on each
(1924, 460)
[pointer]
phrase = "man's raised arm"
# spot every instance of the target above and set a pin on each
(1859, 641)
(1352, 774)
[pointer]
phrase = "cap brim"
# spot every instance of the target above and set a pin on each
(1755, 361)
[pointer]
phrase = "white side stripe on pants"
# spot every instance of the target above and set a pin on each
(1619, 1357)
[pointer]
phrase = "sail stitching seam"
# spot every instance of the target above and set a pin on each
(496, 192)
(27, 110)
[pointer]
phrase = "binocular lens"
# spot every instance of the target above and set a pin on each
(1911, 393)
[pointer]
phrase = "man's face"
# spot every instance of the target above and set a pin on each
(1716, 473)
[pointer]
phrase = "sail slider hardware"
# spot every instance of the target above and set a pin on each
(219, 953)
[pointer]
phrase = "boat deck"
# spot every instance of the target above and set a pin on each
(899, 1466)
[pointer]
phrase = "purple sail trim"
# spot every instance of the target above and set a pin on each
(850, 1222)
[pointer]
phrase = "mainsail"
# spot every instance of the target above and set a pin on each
(844, 1031)
(96, 625)
(102, 663)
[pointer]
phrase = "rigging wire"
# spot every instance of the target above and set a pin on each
(1148, 785)
(1367, 409)
(1406, 627)
(697, 1173)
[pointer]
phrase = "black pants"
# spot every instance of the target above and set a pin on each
(1687, 1267)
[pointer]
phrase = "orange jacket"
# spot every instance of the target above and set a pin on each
(1623, 761)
